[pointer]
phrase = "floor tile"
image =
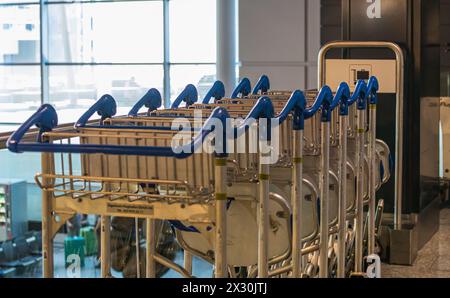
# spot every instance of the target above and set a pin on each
(433, 260)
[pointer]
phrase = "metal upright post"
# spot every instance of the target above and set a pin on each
(324, 195)
(150, 268)
(47, 231)
(372, 169)
(137, 247)
(105, 247)
(297, 195)
(372, 190)
(359, 219)
(187, 261)
(220, 260)
(263, 219)
(342, 216)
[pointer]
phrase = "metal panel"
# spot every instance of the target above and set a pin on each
(338, 70)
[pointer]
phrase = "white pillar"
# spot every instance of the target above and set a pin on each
(226, 43)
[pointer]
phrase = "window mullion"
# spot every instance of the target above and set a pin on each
(43, 21)
(166, 61)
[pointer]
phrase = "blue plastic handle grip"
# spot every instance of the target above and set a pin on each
(189, 95)
(341, 98)
(297, 105)
(323, 100)
(263, 85)
(46, 119)
(217, 91)
(342, 94)
(359, 95)
(243, 88)
(372, 90)
(151, 100)
(106, 107)
(360, 91)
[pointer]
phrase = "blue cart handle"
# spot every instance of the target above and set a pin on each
(106, 107)
(359, 95)
(263, 85)
(372, 90)
(46, 119)
(151, 100)
(189, 95)
(243, 88)
(323, 100)
(217, 91)
(341, 98)
(295, 105)
(263, 109)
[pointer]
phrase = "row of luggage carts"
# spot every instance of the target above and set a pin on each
(262, 183)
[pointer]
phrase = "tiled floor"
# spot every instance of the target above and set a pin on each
(433, 260)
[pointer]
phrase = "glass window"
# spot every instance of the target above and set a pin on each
(18, 1)
(20, 94)
(83, 38)
(19, 34)
(192, 31)
(201, 76)
(73, 89)
(106, 32)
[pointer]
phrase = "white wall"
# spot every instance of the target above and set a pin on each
(280, 38)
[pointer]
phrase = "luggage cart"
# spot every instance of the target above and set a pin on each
(145, 143)
(96, 183)
(241, 103)
(296, 94)
(382, 153)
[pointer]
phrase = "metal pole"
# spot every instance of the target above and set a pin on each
(226, 43)
(47, 237)
(324, 194)
(400, 77)
(263, 219)
(220, 260)
(297, 195)
(187, 261)
(137, 247)
(342, 216)
(359, 219)
(105, 247)
(151, 239)
(372, 182)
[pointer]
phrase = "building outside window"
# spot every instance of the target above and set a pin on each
(90, 48)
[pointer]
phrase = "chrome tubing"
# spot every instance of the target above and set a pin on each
(263, 220)
(359, 218)
(324, 196)
(220, 258)
(372, 180)
(105, 246)
(137, 247)
(297, 204)
(151, 239)
(342, 215)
